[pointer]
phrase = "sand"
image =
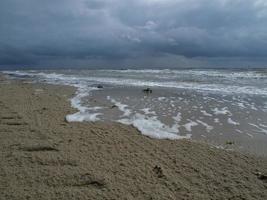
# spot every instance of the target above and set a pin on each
(44, 157)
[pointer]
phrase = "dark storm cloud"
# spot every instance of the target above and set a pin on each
(140, 32)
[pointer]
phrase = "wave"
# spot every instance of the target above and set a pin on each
(210, 73)
(88, 79)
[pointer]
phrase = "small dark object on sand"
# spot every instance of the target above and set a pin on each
(229, 142)
(100, 86)
(158, 170)
(114, 106)
(261, 176)
(147, 90)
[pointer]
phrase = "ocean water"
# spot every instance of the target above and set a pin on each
(217, 106)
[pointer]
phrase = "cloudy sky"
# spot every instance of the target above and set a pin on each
(133, 33)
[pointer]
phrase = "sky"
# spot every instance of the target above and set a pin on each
(133, 33)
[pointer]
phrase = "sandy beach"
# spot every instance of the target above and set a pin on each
(45, 157)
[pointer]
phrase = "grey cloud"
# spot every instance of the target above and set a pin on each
(125, 32)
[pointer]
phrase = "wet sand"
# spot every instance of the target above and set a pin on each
(44, 157)
(230, 121)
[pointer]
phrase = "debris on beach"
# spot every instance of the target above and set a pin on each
(229, 142)
(114, 106)
(261, 176)
(147, 90)
(159, 172)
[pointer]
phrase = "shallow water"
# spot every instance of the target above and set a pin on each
(227, 108)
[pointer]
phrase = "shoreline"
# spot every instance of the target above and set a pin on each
(44, 157)
(192, 124)
(219, 136)
(228, 121)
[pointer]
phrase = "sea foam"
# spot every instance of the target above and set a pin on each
(149, 125)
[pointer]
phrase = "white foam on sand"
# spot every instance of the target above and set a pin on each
(239, 131)
(230, 121)
(248, 134)
(205, 113)
(216, 120)
(147, 111)
(265, 126)
(189, 125)
(241, 105)
(259, 129)
(208, 127)
(178, 117)
(154, 128)
(122, 107)
(161, 98)
(85, 113)
(149, 125)
(223, 111)
(80, 117)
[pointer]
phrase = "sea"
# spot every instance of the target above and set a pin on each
(225, 107)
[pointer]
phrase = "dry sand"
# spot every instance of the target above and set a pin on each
(44, 157)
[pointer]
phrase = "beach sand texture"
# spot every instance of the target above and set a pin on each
(44, 157)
